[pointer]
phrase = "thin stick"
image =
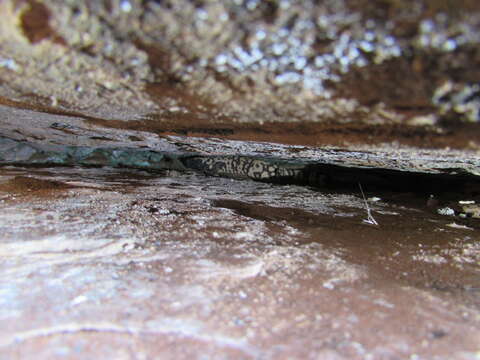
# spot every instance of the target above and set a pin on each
(370, 219)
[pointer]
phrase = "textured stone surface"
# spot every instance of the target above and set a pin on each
(370, 106)
(342, 61)
(122, 264)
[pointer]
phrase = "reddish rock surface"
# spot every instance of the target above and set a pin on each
(107, 263)
(129, 264)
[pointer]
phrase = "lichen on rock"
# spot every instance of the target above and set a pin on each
(250, 61)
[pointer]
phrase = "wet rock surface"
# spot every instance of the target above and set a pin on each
(105, 262)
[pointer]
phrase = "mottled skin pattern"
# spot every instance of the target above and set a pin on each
(266, 169)
(298, 171)
(245, 167)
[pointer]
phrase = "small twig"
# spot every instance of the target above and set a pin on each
(370, 219)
